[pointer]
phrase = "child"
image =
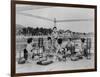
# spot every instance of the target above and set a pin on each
(28, 50)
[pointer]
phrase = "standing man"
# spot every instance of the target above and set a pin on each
(54, 36)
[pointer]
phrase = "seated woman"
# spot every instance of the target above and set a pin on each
(84, 47)
(75, 52)
(59, 47)
(70, 46)
(49, 43)
(60, 50)
(28, 50)
(48, 47)
(78, 48)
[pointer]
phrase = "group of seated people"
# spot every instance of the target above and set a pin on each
(61, 51)
(56, 49)
(71, 49)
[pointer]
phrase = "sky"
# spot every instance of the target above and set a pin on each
(43, 16)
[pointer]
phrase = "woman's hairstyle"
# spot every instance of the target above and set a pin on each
(29, 40)
(49, 38)
(59, 40)
(54, 28)
(83, 40)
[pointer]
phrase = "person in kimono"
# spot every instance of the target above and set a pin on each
(28, 50)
